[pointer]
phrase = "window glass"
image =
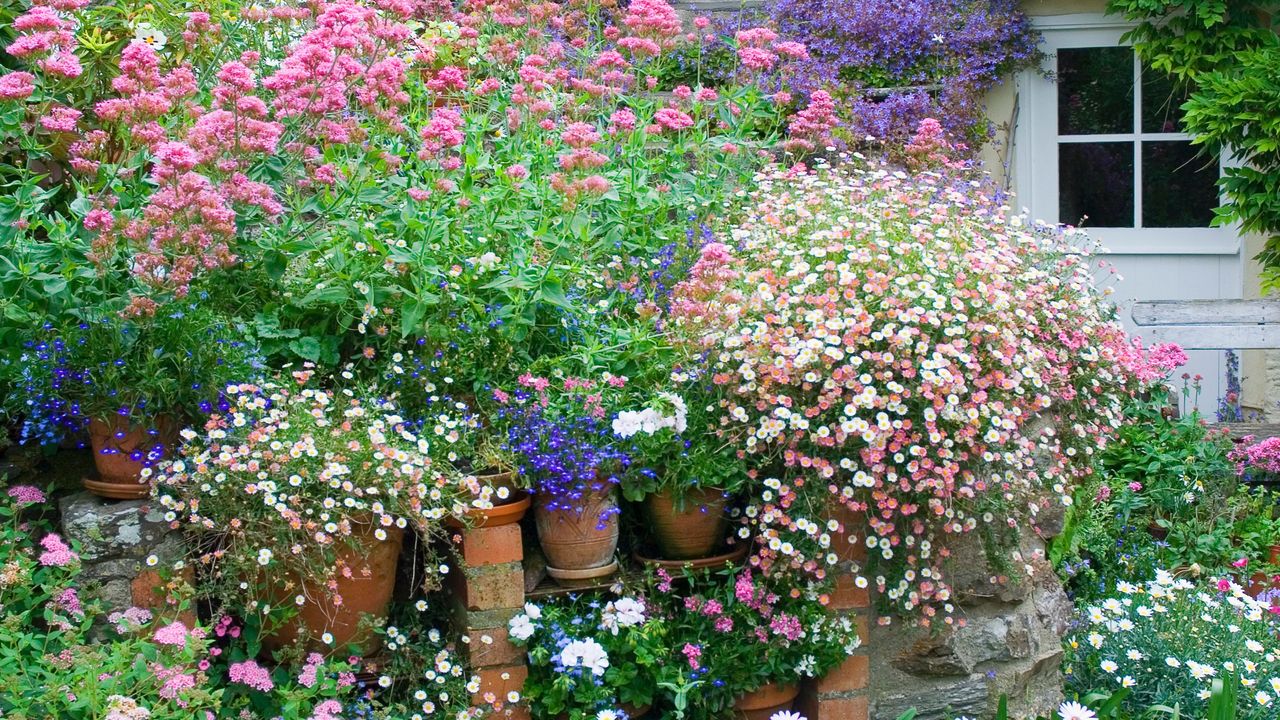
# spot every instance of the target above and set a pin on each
(1095, 184)
(1178, 185)
(1095, 90)
(1161, 103)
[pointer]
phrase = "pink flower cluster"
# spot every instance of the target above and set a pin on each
(26, 494)
(251, 674)
(46, 36)
(1263, 456)
(813, 125)
(930, 148)
(909, 350)
(56, 552)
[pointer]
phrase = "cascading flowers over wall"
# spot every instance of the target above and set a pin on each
(918, 354)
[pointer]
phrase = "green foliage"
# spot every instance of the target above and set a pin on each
(588, 656)
(1226, 52)
(1205, 649)
(1160, 497)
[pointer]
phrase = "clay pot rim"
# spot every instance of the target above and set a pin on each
(768, 695)
(117, 490)
(738, 552)
(508, 513)
(583, 573)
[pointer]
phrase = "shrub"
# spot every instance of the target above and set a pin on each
(916, 353)
(1168, 641)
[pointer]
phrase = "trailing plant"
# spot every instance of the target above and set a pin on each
(864, 331)
(174, 364)
(897, 63)
(289, 477)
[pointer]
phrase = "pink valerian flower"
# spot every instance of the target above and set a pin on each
(60, 119)
(757, 59)
(443, 131)
(672, 119)
(703, 301)
(26, 494)
(251, 674)
(930, 148)
(174, 633)
(17, 86)
(813, 125)
(56, 553)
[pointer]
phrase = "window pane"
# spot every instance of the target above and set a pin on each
(1178, 185)
(1095, 90)
(1095, 184)
(1161, 103)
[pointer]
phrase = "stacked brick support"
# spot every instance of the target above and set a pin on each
(489, 592)
(844, 693)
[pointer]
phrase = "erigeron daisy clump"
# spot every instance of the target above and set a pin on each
(1169, 639)
(292, 476)
(914, 351)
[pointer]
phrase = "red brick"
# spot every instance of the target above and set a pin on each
(855, 529)
(852, 674)
(814, 707)
(863, 623)
(846, 595)
(512, 712)
(491, 587)
(497, 651)
(492, 545)
(496, 682)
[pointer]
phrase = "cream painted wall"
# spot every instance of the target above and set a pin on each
(1260, 369)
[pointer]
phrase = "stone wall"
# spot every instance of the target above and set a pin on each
(1010, 644)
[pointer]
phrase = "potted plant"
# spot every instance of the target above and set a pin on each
(132, 382)
(565, 452)
(460, 433)
(301, 497)
(684, 472)
(592, 659)
(753, 638)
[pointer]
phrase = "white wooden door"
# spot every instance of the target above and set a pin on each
(1098, 146)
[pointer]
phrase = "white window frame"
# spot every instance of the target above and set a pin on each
(1036, 155)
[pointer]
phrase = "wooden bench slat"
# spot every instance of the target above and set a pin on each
(1215, 337)
(1208, 312)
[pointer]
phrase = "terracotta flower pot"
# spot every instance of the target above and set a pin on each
(122, 449)
(362, 595)
(689, 529)
(733, 556)
(581, 540)
(763, 702)
(508, 513)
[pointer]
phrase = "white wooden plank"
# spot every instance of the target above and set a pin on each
(1215, 337)
(1215, 312)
